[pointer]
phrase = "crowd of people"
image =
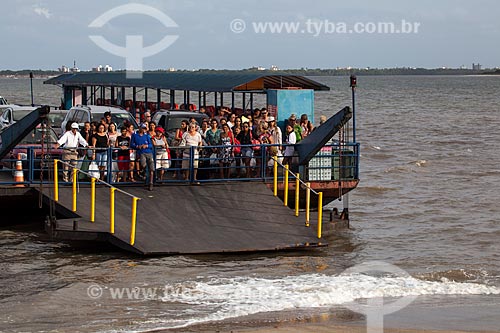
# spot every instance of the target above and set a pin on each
(218, 143)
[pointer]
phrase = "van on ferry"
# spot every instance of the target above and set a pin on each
(82, 113)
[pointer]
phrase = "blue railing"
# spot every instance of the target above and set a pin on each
(333, 162)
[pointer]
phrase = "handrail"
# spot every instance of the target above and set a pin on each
(94, 180)
(297, 189)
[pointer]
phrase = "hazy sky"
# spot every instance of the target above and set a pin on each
(47, 34)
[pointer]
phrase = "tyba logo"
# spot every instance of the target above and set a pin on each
(134, 51)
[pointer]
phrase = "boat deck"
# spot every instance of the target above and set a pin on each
(209, 218)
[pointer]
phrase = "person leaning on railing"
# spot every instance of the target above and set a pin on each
(70, 142)
(191, 139)
(100, 141)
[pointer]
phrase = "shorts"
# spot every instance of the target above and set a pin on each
(185, 160)
(123, 162)
(132, 155)
(162, 160)
(101, 158)
(147, 159)
(246, 152)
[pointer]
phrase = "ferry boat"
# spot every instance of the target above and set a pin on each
(326, 162)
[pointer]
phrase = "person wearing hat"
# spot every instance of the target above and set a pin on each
(162, 151)
(70, 142)
(143, 145)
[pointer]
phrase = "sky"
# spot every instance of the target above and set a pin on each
(223, 34)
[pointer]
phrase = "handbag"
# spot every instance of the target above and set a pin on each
(94, 170)
(175, 142)
(255, 143)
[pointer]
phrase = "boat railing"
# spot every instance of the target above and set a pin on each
(333, 163)
(93, 180)
(298, 184)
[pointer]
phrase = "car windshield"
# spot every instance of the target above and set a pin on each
(19, 114)
(35, 137)
(3, 101)
(117, 118)
(174, 121)
(56, 119)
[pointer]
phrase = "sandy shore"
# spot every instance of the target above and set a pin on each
(335, 329)
(428, 314)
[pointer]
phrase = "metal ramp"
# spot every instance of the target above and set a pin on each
(10, 136)
(184, 219)
(312, 144)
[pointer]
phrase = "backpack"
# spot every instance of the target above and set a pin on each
(298, 133)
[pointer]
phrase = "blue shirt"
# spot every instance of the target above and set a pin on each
(139, 140)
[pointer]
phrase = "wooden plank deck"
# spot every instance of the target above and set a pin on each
(210, 218)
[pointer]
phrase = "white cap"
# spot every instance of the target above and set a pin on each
(74, 125)
(269, 119)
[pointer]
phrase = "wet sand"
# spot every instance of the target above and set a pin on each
(427, 314)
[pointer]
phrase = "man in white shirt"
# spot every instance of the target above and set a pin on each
(70, 141)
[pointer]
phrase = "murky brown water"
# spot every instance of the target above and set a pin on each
(427, 202)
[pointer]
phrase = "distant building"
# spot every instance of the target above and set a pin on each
(260, 68)
(171, 69)
(476, 67)
(65, 69)
(274, 68)
(102, 68)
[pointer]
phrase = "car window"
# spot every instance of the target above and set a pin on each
(35, 137)
(80, 116)
(56, 119)
(71, 114)
(117, 118)
(174, 121)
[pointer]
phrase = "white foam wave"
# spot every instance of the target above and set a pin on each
(241, 296)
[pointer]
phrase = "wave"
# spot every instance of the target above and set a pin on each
(222, 298)
(456, 275)
(374, 189)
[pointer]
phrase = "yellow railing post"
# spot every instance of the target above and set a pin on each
(275, 173)
(297, 193)
(56, 181)
(112, 210)
(308, 203)
(75, 174)
(320, 213)
(134, 220)
(92, 199)
(285, 200)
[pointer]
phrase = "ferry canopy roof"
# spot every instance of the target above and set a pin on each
(229, 82)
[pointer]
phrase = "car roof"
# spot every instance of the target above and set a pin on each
(180, 113)
(23, 108)
(100, 108)
(58, 111)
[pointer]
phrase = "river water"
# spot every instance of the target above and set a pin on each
(428, 202)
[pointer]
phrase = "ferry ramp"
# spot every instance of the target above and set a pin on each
(186, 219)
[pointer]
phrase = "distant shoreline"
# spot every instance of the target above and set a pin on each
(45, 74)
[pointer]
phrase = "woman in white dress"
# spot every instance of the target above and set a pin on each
(192, 138)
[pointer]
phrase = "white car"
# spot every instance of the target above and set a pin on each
(12, 113)
(82, 113)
